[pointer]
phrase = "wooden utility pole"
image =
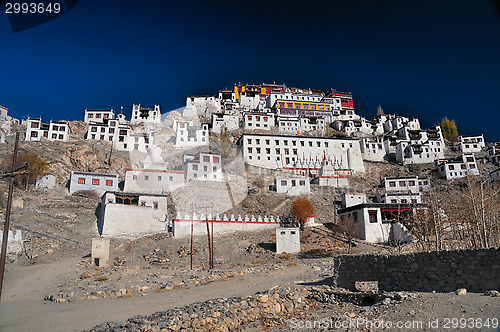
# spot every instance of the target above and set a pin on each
(7, 215)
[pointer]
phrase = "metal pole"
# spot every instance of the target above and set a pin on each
(191, 244)
(7, 216)
(209, 247)
(212, 244)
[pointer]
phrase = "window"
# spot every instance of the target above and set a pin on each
(283, 182)
(55, 128)
(257, 141)
(98, 115)
(94, 129)
(134, 177)
(216, 160)
(277, 151)
(286, 142)
(54, 136)
(103, 130)
(206, 159)
(293, 183)
(470, 159)
(373, 216)
(34, 125)
(286, 151)
(267, 142)
(95, 182)
(146, 177)
(310, 143)
(61, 136)
(402, 183)
(123, 132)
(451, 167)
(463, 166)
(277, 142)
(393, 201)
(195, 167)
(214, 169)
(404, 201)
(109, 183)
(392, 184)
(411, 183)
(195, 175)
(111, 130)
(159, 177)
(81, 180)
(155, 205)
(302, 143)
(90, 115)
(472, 165)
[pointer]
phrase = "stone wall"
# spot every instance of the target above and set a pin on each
(476, 270)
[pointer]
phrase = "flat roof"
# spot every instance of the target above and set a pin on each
(379, 205)
(301, 137)
(93, 174)
(123, 193)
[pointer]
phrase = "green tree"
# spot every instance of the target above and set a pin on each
(302, 208)
(449, 129)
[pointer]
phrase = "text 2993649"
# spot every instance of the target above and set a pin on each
(32, 8)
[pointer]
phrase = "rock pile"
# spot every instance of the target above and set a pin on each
(217, 315)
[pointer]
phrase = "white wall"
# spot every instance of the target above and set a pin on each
(287, 240)
(293, 185)
(345, 150)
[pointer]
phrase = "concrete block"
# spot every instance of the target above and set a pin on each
(102, 251)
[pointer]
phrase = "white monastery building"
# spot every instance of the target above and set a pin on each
(457, 168)
(100, 183)
(53, 131)
(468, 144)
(279, 151)
(146, 115)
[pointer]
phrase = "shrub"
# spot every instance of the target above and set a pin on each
(302, 208)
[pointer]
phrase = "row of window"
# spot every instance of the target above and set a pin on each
(257, 118)
(205, 168)
(95, 182)
(411, 183)
(93, 136)
(294, 143)
(206, 159)
(284, 183)
(98, 115)
(305, 106)
(462, 166)
(194, 139)
(195, 175)
(146, 178)
(403, 201)
(34, 134)
(54, 127)
(277, 150)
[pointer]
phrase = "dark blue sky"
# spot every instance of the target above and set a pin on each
(427, 59)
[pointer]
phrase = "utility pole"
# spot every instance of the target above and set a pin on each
(7, 215)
